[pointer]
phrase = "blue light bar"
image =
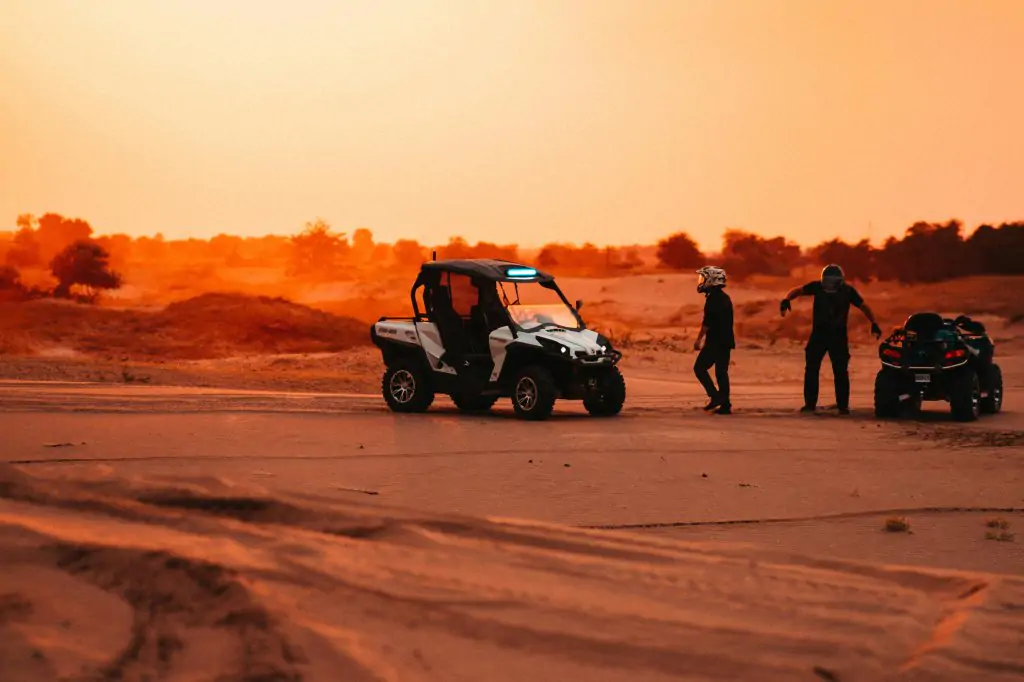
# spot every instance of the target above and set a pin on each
(521, 272)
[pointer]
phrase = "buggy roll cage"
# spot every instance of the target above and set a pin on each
(432, 277)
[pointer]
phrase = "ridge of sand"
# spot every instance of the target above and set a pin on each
(127, 579)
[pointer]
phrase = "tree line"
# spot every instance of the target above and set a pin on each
(56, 256)
(927, 252)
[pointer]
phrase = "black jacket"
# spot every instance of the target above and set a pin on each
(718, 319)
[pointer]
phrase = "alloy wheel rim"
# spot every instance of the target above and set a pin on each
(526, 393)
(402, 386)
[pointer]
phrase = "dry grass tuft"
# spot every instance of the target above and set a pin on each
(1001, 536)
(897, 524)
(998, 522)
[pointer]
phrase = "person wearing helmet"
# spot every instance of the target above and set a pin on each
(716, 339)
(832, 300)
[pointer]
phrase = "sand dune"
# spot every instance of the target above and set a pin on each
(207, 326)
(109, 579)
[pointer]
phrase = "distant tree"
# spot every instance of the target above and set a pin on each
(10, 279)
(55, 232)
(997, 250)
(224, 246)
(408, 253)
(457, 247)
(745, 254)
(548, 257)
(317, 250)
(26, 221)
(857, 260)
(631, 259)
(84, 263)
(679, 252)
(363, 244)
(928, 252)
(25, 251)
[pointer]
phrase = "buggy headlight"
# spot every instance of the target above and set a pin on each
(553, 346)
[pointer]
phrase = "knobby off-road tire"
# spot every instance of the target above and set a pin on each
(887, 396)
(474, 402)
(993, 402)
(406, 387)
(965, 396)
(608, 400)
(534, 393)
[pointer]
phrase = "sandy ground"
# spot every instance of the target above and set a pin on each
(682, 545)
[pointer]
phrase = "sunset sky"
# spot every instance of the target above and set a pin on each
(527, 121)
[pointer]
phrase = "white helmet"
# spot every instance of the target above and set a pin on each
(710, 277)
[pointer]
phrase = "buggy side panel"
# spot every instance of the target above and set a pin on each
(397, 341)
(430, 339)
(498, 341)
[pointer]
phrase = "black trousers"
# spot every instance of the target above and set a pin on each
(838, 350)
(718, 358)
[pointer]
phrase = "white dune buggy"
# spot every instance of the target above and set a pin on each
(487, 329)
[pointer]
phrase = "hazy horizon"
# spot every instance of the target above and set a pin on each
(520, 122)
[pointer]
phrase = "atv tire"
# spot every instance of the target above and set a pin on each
(965, 396)
(406, 387)
(534, 393)
(608, 400)
(887, 396)
(993, 402)
(474, 402)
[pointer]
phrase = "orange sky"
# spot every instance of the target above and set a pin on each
(522, 121)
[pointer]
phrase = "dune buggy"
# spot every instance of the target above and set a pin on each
(487, 329)
(932, 358)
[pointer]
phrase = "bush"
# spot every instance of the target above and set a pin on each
(86, 264)
(679, 252)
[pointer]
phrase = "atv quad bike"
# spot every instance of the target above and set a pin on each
(931, 358)
(488, 329)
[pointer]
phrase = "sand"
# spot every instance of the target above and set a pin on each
(110, 580)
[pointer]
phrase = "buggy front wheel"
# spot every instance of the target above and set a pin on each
(534, 393)
(609, 397)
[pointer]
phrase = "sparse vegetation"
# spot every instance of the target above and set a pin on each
(1001, 536)
(897, 524)
(1000, 530)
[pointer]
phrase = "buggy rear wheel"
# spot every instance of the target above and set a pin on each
(887, 395)
(406, 387)
(993, 402)
(965, 396)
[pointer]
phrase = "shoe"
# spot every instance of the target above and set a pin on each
(844, 410)
(724, 409)
(712, 405)
(807, 409)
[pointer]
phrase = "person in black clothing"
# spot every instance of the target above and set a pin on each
(718, 339)
(832, 300)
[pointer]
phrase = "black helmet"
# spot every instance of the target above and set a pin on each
(832, 278)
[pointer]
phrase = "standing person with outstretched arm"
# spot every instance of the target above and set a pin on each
(832, 300)
(720, 339)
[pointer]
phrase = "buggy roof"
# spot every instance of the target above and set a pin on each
(492, 270)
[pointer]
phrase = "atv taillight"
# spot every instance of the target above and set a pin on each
(957, 354)
(891, 353)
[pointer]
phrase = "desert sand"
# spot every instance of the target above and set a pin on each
(262, 516)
